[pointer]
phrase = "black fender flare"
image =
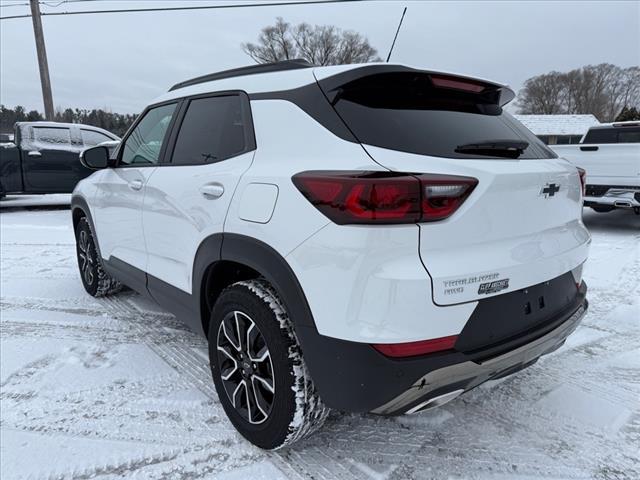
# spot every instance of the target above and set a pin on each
(258, 256)
(264, 259)
(79, 204)
(323, 360)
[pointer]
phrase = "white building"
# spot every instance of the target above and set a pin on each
(558, 129)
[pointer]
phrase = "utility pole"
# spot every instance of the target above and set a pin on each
(42, 60)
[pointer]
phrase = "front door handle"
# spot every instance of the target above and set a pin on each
(34, 153)
(135, 184)
(212, 190)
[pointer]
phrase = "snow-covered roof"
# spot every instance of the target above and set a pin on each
(558, 124)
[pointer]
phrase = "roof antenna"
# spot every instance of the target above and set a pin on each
(397, 31)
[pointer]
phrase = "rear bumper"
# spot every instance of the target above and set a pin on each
(431, 389)
(354, 377)
(614, 196)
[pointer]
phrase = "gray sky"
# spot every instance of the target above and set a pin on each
(122, 61)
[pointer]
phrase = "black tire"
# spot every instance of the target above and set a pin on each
(293, 410)
(96, 281)
(602, 208)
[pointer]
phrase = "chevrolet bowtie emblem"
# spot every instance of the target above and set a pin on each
(549, 190)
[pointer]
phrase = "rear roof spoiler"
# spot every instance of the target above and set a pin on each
(336, 81)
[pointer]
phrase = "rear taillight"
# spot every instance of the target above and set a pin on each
(583, 179)
(412, 349)
(357, 197)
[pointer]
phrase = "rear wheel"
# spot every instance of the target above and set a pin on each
(95, 280)
(258, 369)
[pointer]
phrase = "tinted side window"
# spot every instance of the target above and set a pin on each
(629, 135)
(142, 146)
(601, 135)
(52, 136)
(91, 137)
(213, 129)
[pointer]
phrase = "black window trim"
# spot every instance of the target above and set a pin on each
(249, 130)
(118, 163)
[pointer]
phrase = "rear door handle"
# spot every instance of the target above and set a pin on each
(34, 153)
(135, 184)
(593, 148)
(212, 190)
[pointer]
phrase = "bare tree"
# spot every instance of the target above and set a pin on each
(602, 90)
(543, 94)
(318, 44)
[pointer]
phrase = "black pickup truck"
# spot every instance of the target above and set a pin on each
(44, 157)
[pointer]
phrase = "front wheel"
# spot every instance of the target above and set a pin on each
(258, 369)
(95, 280)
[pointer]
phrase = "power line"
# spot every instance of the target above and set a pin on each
(61, 2)
(199, 7)
(13, 5)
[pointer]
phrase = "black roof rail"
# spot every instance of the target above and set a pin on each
(250, 70)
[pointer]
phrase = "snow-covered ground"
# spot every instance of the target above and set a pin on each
(117, 388)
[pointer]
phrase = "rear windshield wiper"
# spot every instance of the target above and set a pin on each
(495, 148)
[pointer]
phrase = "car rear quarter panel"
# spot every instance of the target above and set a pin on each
(362, 283)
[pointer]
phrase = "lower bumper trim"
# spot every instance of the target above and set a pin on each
(446, 381)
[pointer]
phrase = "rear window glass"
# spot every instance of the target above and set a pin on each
(404, 111)
(601, 135)
(53, 136)
(613, 135)
(631, 135)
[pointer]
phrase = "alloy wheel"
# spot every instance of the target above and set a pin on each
(245, 367)
(84, 254)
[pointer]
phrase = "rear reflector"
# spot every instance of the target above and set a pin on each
(412, 349)
(361, 197)
(577, 274)
(583, 179)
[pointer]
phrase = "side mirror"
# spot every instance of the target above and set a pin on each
(95, 158)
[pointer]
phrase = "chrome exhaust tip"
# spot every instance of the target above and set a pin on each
(622, 204)
(435, 401)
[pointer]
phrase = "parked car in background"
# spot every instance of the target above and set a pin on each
(44, 157)
(6, 138)
(610, 154)
(345, 237)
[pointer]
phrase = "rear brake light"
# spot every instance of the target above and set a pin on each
(583, 179)
(412, 349)
(358, 197)
(456, 83)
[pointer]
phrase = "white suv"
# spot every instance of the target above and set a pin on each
(368, 238)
